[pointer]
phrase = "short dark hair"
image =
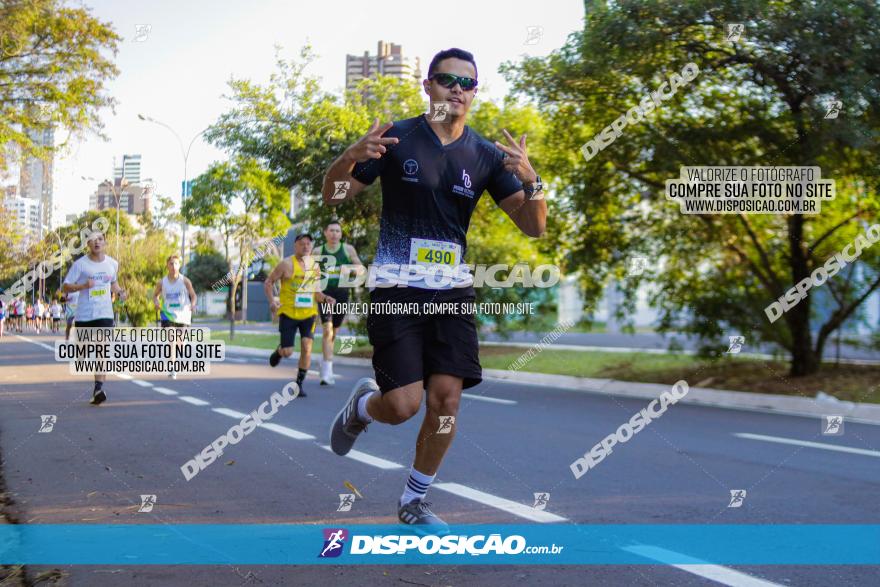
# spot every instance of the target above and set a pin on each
(453, 53)
(333, 222)
(303, 235)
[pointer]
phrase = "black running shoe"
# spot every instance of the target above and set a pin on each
(98, 397)
(274, 358)
(417, 513)
(345, 428)
(302, 392)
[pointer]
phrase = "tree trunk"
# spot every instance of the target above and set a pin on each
(803, 358)
(804, 361)
(233, 287)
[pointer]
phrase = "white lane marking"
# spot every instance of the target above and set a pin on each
(165, 391)
(26, 339)
(808, 444)
(234, 360)
(717, 573)
(230, 413)
(512, 507)
(124, 376)
(142, 383)
(288, 432)
(368, 459)
(493, 400)
(193, 400)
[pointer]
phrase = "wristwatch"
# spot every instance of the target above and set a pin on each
(534, 191)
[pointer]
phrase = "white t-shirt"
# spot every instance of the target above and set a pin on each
(55, 310)
(94, 303)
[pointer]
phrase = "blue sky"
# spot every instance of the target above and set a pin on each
(179, 73)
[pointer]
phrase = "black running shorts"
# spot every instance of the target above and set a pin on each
(409, 347)
(334, 312)
(288, 327)
(99, 323)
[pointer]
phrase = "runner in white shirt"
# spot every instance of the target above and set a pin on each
(55, 312)
(95, 276)
(175, 298)
(39, 311)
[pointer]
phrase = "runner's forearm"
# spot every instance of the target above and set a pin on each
(531, 217)
(340, 170)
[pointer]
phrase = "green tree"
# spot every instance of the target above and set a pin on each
(244, 203)
(144, 265)
(10, 240)
(205, 269)
(54, 66)
(296, 129)
(761, 100)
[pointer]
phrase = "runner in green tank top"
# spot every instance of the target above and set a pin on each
(332, 317)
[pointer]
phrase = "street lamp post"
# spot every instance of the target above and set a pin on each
(185, 189)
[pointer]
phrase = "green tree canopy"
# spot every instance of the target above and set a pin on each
(54, 66)
(760, 100)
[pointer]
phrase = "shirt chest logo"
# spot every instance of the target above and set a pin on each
(465, 189)
(410, 168)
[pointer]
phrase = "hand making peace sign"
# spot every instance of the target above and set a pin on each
(516, 160)
(372, 144)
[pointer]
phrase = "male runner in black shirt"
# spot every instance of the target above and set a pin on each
(433, 170)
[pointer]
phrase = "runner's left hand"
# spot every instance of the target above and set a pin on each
(329, 300)
(517, 161)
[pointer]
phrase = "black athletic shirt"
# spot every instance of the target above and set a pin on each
(430, 190)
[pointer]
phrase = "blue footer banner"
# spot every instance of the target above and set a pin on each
(569, 544)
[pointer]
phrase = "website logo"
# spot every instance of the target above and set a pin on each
(541, 500)
(340, 189)
(832, 425)
(446, 424)
(736, 344)
(147, 503)
(737, 497)
(346, 500)
(334, 540)
(47, 423)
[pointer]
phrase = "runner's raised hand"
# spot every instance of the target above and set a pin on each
(372, 144)
(516, 160)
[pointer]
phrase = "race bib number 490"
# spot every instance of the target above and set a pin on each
(430, 253)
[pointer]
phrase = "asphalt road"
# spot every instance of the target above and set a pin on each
(638, 341)
(96, 462)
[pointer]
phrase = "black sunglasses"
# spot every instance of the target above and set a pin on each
(448, 80)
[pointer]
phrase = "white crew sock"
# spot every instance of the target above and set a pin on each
(363, 416)
(329, 368)
(416, 486)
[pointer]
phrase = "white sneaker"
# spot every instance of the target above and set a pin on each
(326, 375)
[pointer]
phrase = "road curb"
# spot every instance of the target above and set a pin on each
(864, 413)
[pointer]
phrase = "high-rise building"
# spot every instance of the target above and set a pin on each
(130, 169)
(27, 214)
(36, 178)
(388, 60)
(133, 198)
